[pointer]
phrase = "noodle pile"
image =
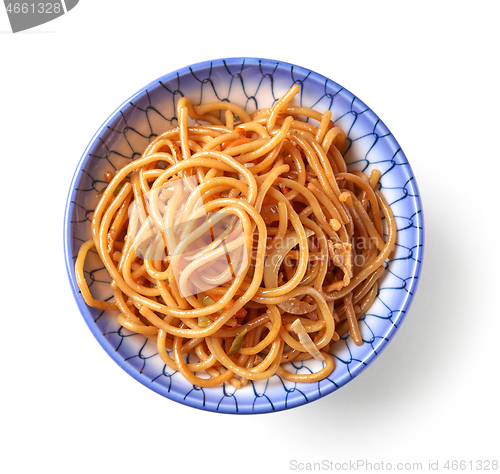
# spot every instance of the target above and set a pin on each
(302, 238)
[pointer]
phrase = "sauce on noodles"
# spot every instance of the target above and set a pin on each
(244, 240)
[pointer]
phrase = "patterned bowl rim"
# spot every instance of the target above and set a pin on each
(173, 395)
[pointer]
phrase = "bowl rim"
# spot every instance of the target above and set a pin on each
(172, 394)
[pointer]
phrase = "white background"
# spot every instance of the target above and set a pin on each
(428, 69)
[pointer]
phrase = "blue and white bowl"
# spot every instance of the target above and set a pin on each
(252, 83)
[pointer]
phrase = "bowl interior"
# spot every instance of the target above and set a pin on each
(252, 83)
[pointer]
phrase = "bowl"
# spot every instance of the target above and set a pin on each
(252, 83)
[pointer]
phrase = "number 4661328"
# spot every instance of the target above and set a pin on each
(34, 7)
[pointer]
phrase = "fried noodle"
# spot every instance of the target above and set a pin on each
(300, 271)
